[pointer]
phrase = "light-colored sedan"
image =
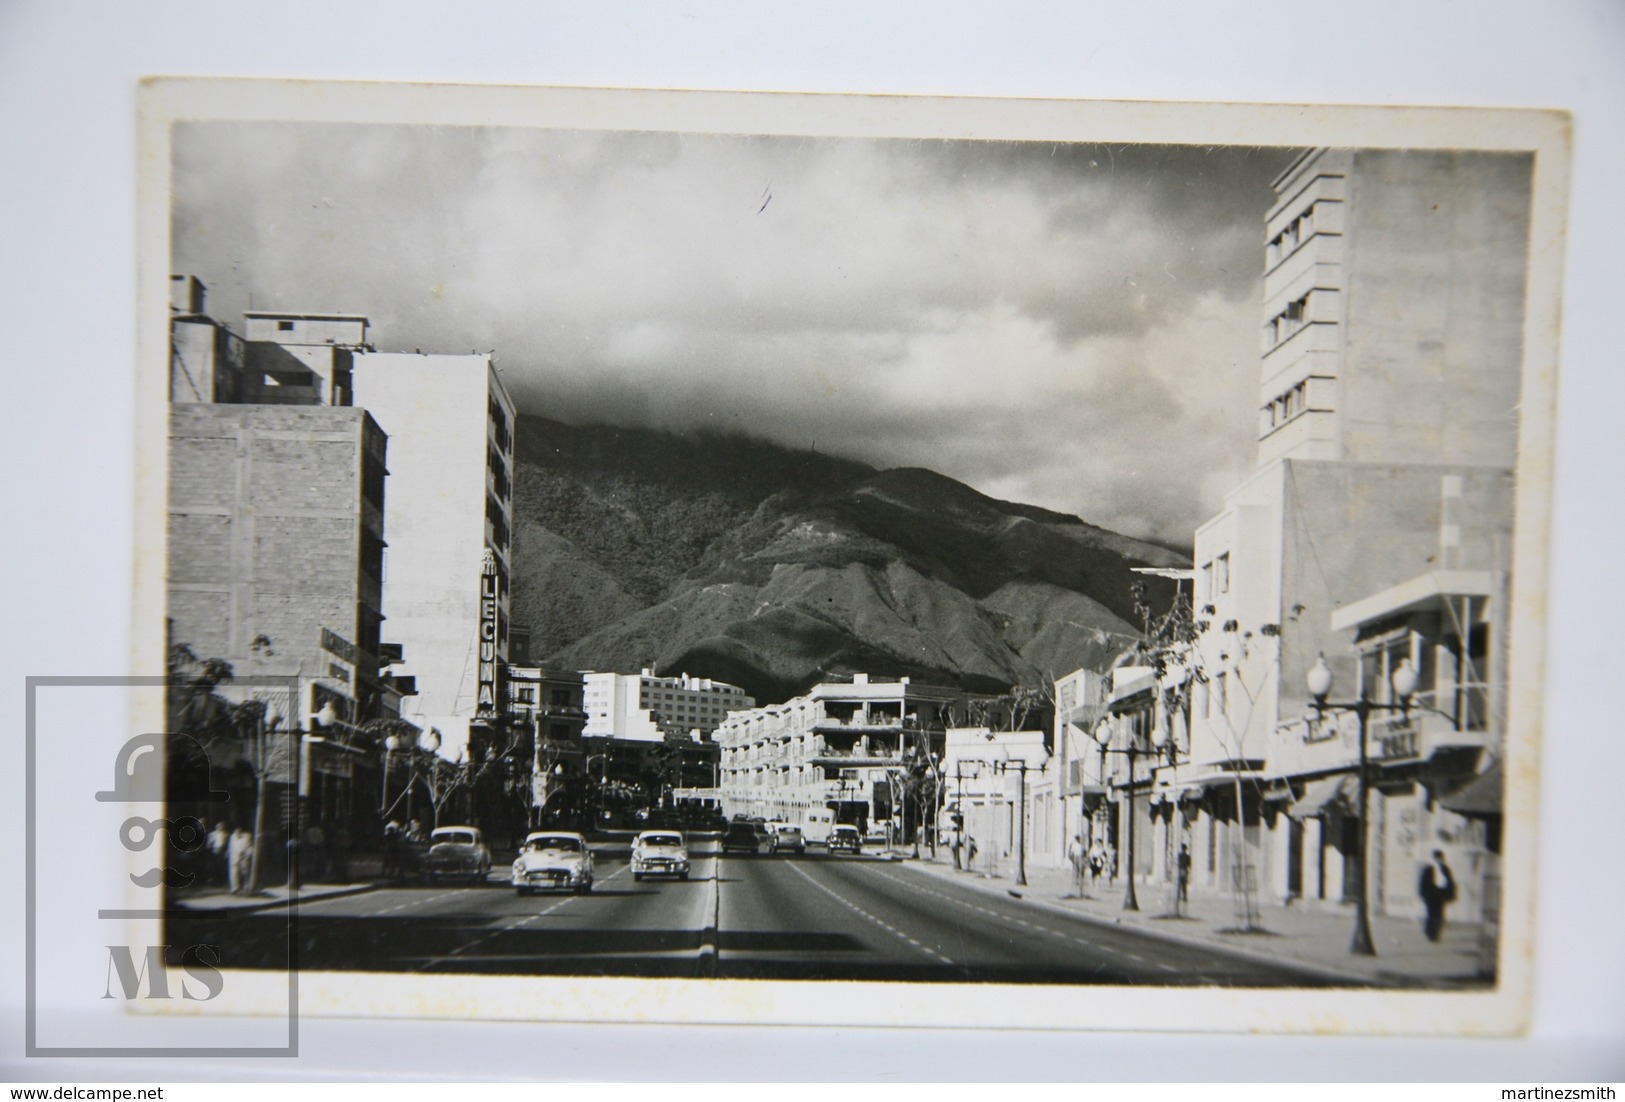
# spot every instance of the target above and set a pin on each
(659, 853)
(457, 851)
(789, 839)
(553, 859)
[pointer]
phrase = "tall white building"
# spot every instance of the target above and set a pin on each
(645, 707)
(1392, 343)
(449, 512)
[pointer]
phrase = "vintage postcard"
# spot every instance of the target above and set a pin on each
(758, 558)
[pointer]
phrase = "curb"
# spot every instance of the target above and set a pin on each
(248, 908)
(1325, 971)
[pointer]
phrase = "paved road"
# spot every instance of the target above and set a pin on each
(813, 917)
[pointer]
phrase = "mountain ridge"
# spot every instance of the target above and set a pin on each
(771, 568)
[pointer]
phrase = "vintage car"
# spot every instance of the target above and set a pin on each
(745, 837)
(659, 853)
(457, 851)
(553, 859)
(844, 838)
(788, 838)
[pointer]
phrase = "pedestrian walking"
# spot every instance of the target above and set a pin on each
(392, 849)
(1080, 859)
(1111, 863)
(1097, 861)
(970, 851)
(1437, 887)
(240, 860)
(219, 843)
(1184, 873)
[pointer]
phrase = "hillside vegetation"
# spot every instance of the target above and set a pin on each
(773, 569)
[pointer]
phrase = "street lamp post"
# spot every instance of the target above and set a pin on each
(1020, 769)
(392, 743)
(1319, 681)
(1103, 734)
(603, 782)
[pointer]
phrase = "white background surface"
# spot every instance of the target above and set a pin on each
(68, 75)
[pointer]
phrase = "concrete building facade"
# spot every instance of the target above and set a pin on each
(275, 542)
(449, 512)
(651, 708)
(836, 747)
(206, 360)
(1394, 292)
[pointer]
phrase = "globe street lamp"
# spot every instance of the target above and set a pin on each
(1404, 680)
(1162, 742)
(1103, 736)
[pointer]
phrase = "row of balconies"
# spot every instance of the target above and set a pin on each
(814, 751)
(800, 721)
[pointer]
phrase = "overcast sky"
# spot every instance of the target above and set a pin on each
(1073, 326)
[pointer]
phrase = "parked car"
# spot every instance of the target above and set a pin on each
(745, 837)
(553, 859)
(844, 838)
(788, 838)
(457, 851)
(878, 834)
(659, 853)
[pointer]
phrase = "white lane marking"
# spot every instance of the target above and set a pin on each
(510, 926)
(845, 902)
(1010, 918)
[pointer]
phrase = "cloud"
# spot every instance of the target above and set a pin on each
(1071, 325)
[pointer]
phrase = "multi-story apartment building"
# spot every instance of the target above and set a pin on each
(837, 747)
(651, 708)
(274, 549)
(550, 709)
(276, 541)
(450, 516)
(1394, 292)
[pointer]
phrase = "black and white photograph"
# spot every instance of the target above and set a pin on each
(956, 543)
(697, 553)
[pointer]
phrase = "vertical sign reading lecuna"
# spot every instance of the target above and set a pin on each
(489, 591)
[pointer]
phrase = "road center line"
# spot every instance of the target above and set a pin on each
(511, 926)
(841, 899)
(912, 886)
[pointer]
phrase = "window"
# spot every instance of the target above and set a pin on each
(1293, 234)
(1221, 573)
(284, 327)
(1221, 694)
(1290, 320)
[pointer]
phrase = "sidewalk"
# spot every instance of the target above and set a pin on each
(365, 876)
(1309, 936)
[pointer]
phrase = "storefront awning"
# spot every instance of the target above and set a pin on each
(1321, 795)
(1480, 797)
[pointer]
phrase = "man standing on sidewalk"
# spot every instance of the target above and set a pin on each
(1079, 858)
(1184, 873)
(1437, 889)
